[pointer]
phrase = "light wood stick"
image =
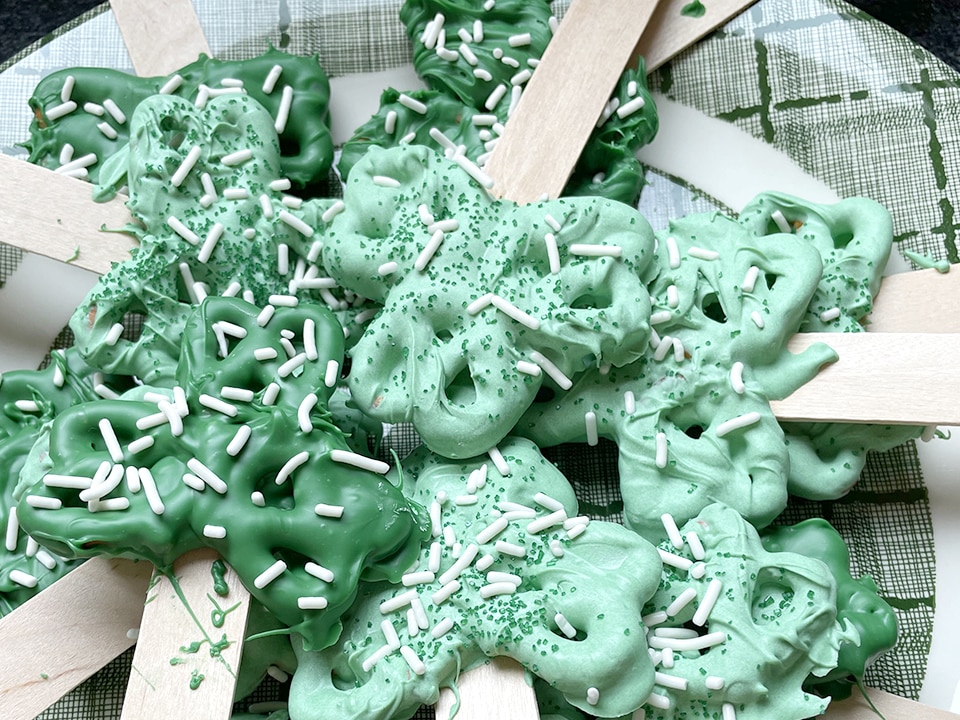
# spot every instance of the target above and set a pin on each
(574, 80)
(167, 679)
(670, 31)
(498, 687)
(892, 707)
(53, 215)
(67, 632)
(898, 378)
(922, 301)
(161, 35)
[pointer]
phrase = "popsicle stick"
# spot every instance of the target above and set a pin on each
(892, 707)
(53, 215)
(923, 301)
(889, 378)
(67, 632)
(161, 35)
(670, 31)
(483, 687)
(182, 666)
(567, 94)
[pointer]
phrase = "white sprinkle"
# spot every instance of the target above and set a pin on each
(830, 315)
(330, 511)
(471, 169)
(182, 230)
(217, 405)
(256, 497)
(441, 628)
(319, 572)
(736, 378)
(46, 559)
(519, 40)
(43, 503)
(499, 588)
(412, 104)
(265, 353)
(479, 304)
(109, 505)
(361, 461)
(234, 393)
(464, 500)
(171, 85)
(13, 530)
(678, 352)
(294, 203)
(115, 112)
(303, 412)
(515, 313)
(270, 394)
(214, 532)
(713, 682)
(140, 444)
(311, 603)
(664, 347)
(58, 111)
(468, 54)
(150, 490)
(397, 602)
(757, 318)
(521, 77)
(492, 530)
(270, 574)
(113, 334)
(484, 563)
(590, 423)
(741, 421)
(378, 655)
(388, 268)
(460, 564)
(84, 161)
(673, 532)
(390, 634)
(673, 296)
(27, 406)
(207, 475)
(703, 254)
(696, 547)
(94, 109)
(270, 81)
(750, 279)
(781, 221)
(444, 593)
(556, 548)
(499, 461)
(630, 107)
(660, 317)
(494, 98)
(553, 252)
(564, 625)
(67, 90)
(528, 368)
(728, 711)
(21, 578)
(677, 561)
(296, 223)
(110, 439)
(292, 364)
(408, 138)
(698, 570)
(670, 681)
(186, 166)
(173, 417)
(413, 660)
(429, 250)
(508, 548)
(283, 112)
(332, 373)
(236, 194)
(548, 502)
(709, 599)
(588, 250)
(478, 30)
(662, 702)
(552, 370)
(290, 465)
(684, 599)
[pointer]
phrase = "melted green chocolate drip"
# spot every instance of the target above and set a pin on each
(308, 147)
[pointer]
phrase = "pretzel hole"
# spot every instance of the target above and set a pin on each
(712, 308)
(461, 390)
(772, 596)
(596, 300)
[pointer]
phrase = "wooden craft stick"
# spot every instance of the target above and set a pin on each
(161, 35)
(888, 378)
(561, 103)
(67, 632)
(922, 301)
(498, 688)
(891, 707)
(670, 31)
(69, 227)
(191, 638)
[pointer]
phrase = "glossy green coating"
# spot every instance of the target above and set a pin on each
(264, 501)
(857, 602)
(597, 581)
(431, 359)
(308, 147)
(458, 92)
(28, 400)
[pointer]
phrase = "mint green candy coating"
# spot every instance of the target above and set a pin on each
(427, 358)
(599, 585)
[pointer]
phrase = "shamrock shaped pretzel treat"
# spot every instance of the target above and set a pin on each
(239, 455)
(82, 115)
(485, 302)
(692, 418)
(512, 570)
(207, 185)
(735, 624)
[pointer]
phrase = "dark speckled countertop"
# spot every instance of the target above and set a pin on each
(934, 24)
